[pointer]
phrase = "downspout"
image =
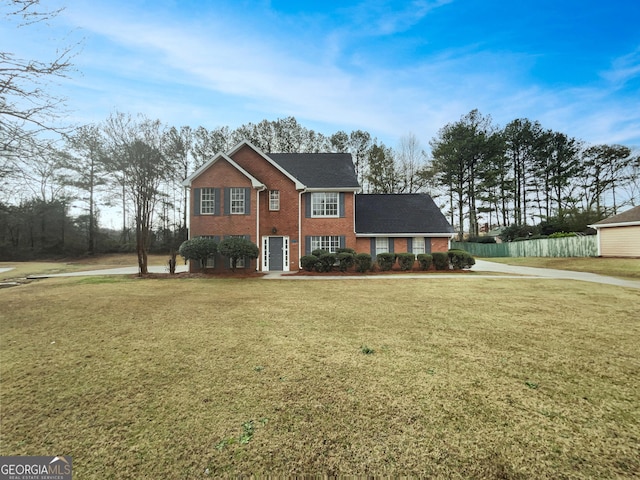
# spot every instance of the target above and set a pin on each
(299, 226)
(258, 239)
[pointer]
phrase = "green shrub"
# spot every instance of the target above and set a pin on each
(363, 262)
(460, 259)
(319, 252)
(308, 262)
(440, 260)
(346, 260)
(326, 261)
(345, 250)
(424, 259)
(406, 261)
(562, 234)
(235, 248)
(198, 249)
(385, 261)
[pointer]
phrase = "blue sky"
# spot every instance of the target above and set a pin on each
(387, 67)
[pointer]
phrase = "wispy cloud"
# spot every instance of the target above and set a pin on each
(190, 71)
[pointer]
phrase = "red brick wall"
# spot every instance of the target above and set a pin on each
(363, 244)
(285, 220)
(439, 244)
(330, 226)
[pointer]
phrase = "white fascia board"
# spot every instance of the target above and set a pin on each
(255, 183)
(408, 235)
(342, 189)
(187, 181)
(621, 224)
(299, 185)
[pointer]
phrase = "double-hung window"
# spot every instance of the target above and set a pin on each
(382, 245)
(274, 200)
(207, 201)
(418, 245)
(330, 243)
(324, 204)
(237, 200)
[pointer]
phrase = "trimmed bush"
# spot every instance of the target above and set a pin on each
(346, 260)
(308, 262)
(385, 261)
(198, 249)
(235, 248)
(460, 259)
(318, 252)
(424, 259)
(406, 261)
(363, 262)
(440, 260)
(326, 262)
(345, 250)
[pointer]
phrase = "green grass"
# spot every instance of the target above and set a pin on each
(614, 267)
(179, 378)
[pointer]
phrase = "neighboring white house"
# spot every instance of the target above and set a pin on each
(619, 236)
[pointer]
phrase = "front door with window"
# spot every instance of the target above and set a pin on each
(275, 254)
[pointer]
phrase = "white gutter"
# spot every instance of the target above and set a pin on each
(299, 226)
(258, 239)
(407, 235)
(619, 224)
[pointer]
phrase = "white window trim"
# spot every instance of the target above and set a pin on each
(380, 247)
(417, 240)
(324, 205)
(210, 201)
(274, 200)
(329, 243)
(237, 199)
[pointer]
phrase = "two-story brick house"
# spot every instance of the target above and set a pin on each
(290, 204)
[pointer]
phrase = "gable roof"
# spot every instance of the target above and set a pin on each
(400, 214)
(320, 170)
(630, 217)
(255, 183)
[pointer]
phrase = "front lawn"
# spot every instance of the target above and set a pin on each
(205, 378)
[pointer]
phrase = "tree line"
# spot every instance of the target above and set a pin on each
(58, 182)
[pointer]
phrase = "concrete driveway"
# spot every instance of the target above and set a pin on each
(527, 272)
(508, 271)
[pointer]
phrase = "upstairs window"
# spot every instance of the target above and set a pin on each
(274, 200)
(324, 204)
(237, 200)
(207, 201)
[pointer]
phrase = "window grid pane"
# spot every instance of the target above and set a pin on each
(324, 204)
(382, 245)
(237, 200)
(274, 200)
(207, 201)
(328, 243)
(418, 245)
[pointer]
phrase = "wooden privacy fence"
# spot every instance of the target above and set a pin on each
(586, 246)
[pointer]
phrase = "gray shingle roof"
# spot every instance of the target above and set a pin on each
(629, 216)
(399, 213)
(319, 170)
